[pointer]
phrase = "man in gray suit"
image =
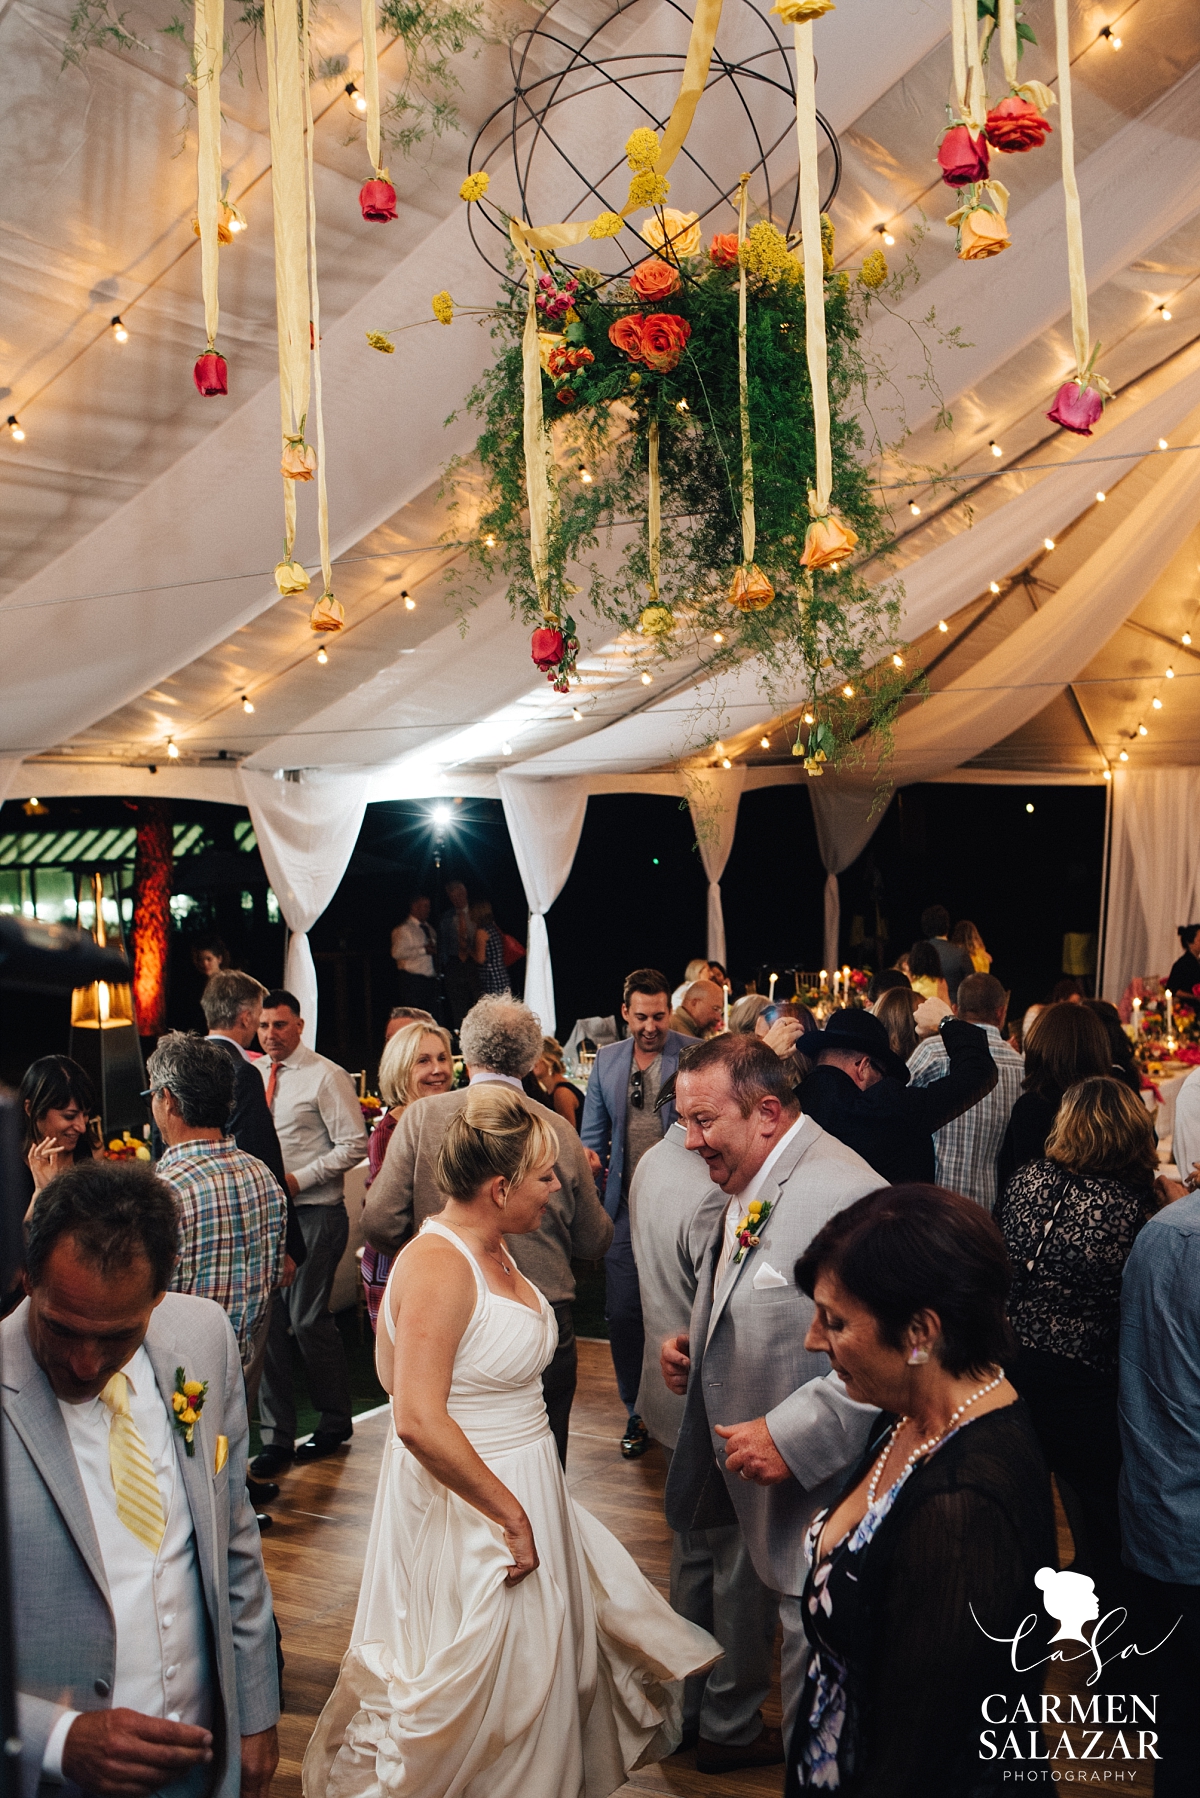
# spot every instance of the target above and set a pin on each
(674, 1209)
(768, 1431)
(145, 1636)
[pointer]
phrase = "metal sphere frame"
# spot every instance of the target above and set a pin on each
(532, 102)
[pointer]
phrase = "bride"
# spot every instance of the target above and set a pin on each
(505, 1643)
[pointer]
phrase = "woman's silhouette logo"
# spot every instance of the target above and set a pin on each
(1070, 1598)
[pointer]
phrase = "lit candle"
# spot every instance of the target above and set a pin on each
(1137, 1017)
(835, 985)
(725, 1006)
(824, 981)
(1170, 1015)
(771, 993)
(846, 984)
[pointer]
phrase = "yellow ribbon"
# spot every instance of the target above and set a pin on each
(536, 441)
(814, 260)
(653, 510)
(1075, 268)
(968, 66)
(995, 189)
(748, 522)
(315, 304)
(1009, 49)
(208, 39)
(371, 85)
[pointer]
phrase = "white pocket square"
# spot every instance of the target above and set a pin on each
(766, 1276)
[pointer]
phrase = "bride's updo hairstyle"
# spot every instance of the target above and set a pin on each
(494, 1135)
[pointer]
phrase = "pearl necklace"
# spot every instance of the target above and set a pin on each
(925, 1447)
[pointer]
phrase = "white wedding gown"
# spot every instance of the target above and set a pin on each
(457, 1685)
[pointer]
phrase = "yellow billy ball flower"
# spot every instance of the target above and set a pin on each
(607, 225)
(648, 189)
(474, 187)
(641, 151)
(379, 341)
(765, 254)
(874, 271)
(443, 308)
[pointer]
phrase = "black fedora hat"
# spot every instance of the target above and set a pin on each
(861, 1033)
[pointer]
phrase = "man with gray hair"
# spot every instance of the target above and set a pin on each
(501, 1039)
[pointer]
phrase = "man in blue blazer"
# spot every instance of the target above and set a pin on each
(621, 1120)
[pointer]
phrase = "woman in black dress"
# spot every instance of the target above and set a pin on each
(1065, 1043)
(1185, 975)
(1069, 1221)
(931, 1551)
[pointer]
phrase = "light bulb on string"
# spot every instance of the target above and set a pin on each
(1170, 674)
(848, 691)
(247, 704)
(1101, 496)
(357, 99)
(1164, 312)
(725, 762)
(585, 476)
(1047, 543)
(1113, 41)
(1124, 756)
(577, 715)
(647, 677)
(14, 429)
(172, 749)
(1108, 774)
(1142, 731)
(322, 657)
(506, 748)
(996, 450)
(1162, 443)
(410, 605)
(886, 235)
(764, 742)
(897, 661)
(943, 626)
(808, 718)
(119, 332)
(718, 637)
(1186, 639)
(914, 508)
(993, 586)
(1156, 703)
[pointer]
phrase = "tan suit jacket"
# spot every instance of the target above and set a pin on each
(404, 1193)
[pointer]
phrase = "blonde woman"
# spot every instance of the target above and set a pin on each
(504, 1640)
(551, 1076)
(416, 1061)
(967, 937)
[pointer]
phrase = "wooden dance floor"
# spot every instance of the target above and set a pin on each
(314, 1558)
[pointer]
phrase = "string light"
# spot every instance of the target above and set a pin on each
(1170, 674)
(489, 542)
(172, 749)
(322, 657)
(506, 748)
(1164, 312)
(993, 586)
(1142, 731)
(237, 222)
(996, 450)
(1108, 774)
(717, 637)
(356, 98)
(914, 508)
(1029, 807)
(808, 718)
(1048, 542)
(1162, 443)
(14, 429)
(1114, 42)
(410, 605)
(725, 762)
(897, 661)
(577, 715)
(1157, 704)
(943, 626)
(1124, 756)
(119, 331)
(1100, 497)
(247, 704)
(647, 677)
(848, 691)
(764, 742)
(886, 235)
(1186, 639)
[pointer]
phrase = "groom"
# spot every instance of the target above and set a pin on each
(768, 1432)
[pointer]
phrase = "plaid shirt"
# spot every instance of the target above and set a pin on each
(232, 1222)
(967, 1147)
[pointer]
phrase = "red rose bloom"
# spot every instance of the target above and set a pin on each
(655, 279)
(1016, 125)
(626, 335)
(565, 396)
(377, 199)
(547, 648)
(566, 357)
(664, 338)
(211, 374)
(963, 158)
(1076, 408)
(723, 250)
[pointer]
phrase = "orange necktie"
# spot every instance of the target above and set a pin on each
(272, 1083)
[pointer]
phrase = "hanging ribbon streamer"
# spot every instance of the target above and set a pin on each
(297, 306)
(653, 510)
(748, 525)
(371, 86)
(536, 438)
(208, 37)
(1075, 267)
(814, 263)
(969, 83)
(1008, 42)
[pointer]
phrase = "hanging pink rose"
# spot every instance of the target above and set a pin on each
(377, 199)
(1016, 125)
(547, 648)
(211, 373)
(1076, 408)
(963, 158)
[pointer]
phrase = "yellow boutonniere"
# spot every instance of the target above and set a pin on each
(749, 1230)
(187, 1402)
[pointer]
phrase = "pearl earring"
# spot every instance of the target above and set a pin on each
(918, 1357)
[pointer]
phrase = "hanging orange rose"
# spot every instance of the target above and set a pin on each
(750, 590)
(299, 461)
(982, 233)
(328, 614)
(826, 542)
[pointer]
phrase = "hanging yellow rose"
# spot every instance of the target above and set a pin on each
(676, 232)
(290, 578)
(328, 614)
(827, 542)
(657, 621)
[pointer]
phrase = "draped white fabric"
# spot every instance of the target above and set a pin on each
(845, 825)
(1154, 872)
(713, 798)
(545, 819)
(307, 823)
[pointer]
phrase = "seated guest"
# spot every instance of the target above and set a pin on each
(1185, 1147)
(501, 1040)
(1160, 1476)
(894, 1009)
(925, 973)
(955, 963)
(416, 1061)
(1124, 1062)
(700, 1011)
(967, 938)
(946, 1518)
(1064, 1044)
(674, 1211)
(884, 981)
(859, 1091)
(966, 1148)
(1185, 973)
(56, 1099)
(1070, 1221)
(551, 1077)
(697, 969)
(145, 1642)
(745, 1013)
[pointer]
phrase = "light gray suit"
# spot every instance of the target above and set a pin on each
(748, 1360)
(66, 1636)
(674, 1208)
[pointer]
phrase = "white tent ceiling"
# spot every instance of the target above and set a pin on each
(140, 522)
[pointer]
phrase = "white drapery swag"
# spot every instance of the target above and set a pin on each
(545, 821)
(1153, 874)
(845, 825)
(713, 796)
(307, 823)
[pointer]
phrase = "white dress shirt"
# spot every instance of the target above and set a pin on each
(162, 1663)
(413, 944)
(319, 1123)
(1185, 1145)
(736, 1210)
(481, 1076)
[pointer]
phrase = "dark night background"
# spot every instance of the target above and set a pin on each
(636, 896)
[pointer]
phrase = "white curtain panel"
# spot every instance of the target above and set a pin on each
(1154, 872)
(845, 823)
(307, 823)
(545, 821)
(713, 796)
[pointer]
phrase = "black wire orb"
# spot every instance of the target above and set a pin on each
(600, 91)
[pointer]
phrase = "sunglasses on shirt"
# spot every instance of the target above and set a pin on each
(637, 1089)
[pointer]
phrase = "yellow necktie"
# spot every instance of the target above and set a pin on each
(139, 1502)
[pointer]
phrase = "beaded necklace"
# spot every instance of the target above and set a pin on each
(924, 1447)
